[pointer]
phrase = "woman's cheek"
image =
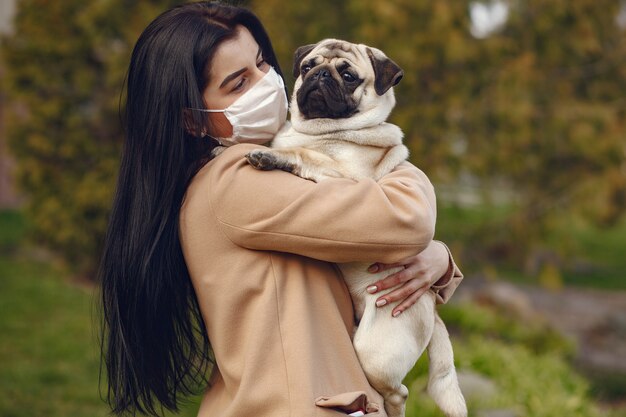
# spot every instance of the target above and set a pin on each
(220, 126)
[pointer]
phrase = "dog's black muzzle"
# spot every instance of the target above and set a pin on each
(323, 96)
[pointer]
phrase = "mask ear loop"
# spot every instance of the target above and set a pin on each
(223, 142)
(204, 135)
(208, 110)
(218, 140)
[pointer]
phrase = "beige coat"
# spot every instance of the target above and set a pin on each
(260, 248)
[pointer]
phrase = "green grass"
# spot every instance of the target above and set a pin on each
(604, 251)
(528, 384)
(49, 352)
(12, 228)
(48, 357)
(590, 256)
(527, 364)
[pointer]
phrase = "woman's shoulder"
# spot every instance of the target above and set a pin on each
(228, 163)
(234, 152)
(227, 159)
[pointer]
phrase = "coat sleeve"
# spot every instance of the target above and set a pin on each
(336, 220)
(446, 285)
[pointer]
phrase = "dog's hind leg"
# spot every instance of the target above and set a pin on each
(392, 390)
(443, 385)
(395, 401)
(389, 347)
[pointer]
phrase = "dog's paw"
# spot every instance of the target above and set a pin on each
(268, 160)
(261, 159)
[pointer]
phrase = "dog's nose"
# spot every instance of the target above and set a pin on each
(322, 73)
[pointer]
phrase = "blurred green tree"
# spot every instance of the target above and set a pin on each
(532, 112)
(548, 115)
(65, 66)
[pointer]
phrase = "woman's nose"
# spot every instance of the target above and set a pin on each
(260, 73)
(263, 69)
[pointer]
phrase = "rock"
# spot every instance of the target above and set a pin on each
(507, 297)
(476, 386)
(593, 319)
(497, 413)
(617, 321)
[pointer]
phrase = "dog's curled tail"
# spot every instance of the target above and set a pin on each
(443, 385)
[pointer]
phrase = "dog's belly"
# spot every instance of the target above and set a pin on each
(387, 346)
(358, 279)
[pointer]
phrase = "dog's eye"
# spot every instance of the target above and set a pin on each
(305, 69)
(348, 77)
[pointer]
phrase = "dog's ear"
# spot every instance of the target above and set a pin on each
(300, 53)
(387, 73)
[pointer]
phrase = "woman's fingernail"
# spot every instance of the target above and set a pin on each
(372, 289)
(381, 302)
(373, 268)
(397, 313)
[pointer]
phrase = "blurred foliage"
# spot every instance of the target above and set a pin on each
(13, 226)
(49, 355)
(526, 363)
(65, 66)
(494, 323)
(32, 363)
(532, 115)
(527, 384)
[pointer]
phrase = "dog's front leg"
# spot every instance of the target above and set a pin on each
(305, 163)
(269, 159)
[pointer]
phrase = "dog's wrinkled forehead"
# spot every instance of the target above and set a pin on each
(338, 52)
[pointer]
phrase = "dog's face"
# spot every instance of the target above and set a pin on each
(340, 80)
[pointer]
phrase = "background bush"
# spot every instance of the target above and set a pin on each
(65, 66)
(522, 131)
(530, 114)
(526, 362)
(49, 351)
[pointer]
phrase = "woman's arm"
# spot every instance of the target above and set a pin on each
(338, 220)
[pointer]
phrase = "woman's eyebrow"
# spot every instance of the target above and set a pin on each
(232, 76)
(237, 73)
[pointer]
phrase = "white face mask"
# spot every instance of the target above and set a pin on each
(259, 113)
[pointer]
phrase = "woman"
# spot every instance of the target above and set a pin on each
(206, 249)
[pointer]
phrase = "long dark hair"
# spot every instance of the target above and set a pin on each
(154, 345)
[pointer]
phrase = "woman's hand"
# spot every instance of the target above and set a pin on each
(419, 273)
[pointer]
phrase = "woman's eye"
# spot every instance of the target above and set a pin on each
(348, 77)
(239, 85)
(305, 69)
(262, 64)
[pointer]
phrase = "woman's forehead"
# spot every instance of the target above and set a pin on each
(234, 54)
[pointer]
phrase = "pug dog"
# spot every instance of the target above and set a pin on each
(342, 97)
